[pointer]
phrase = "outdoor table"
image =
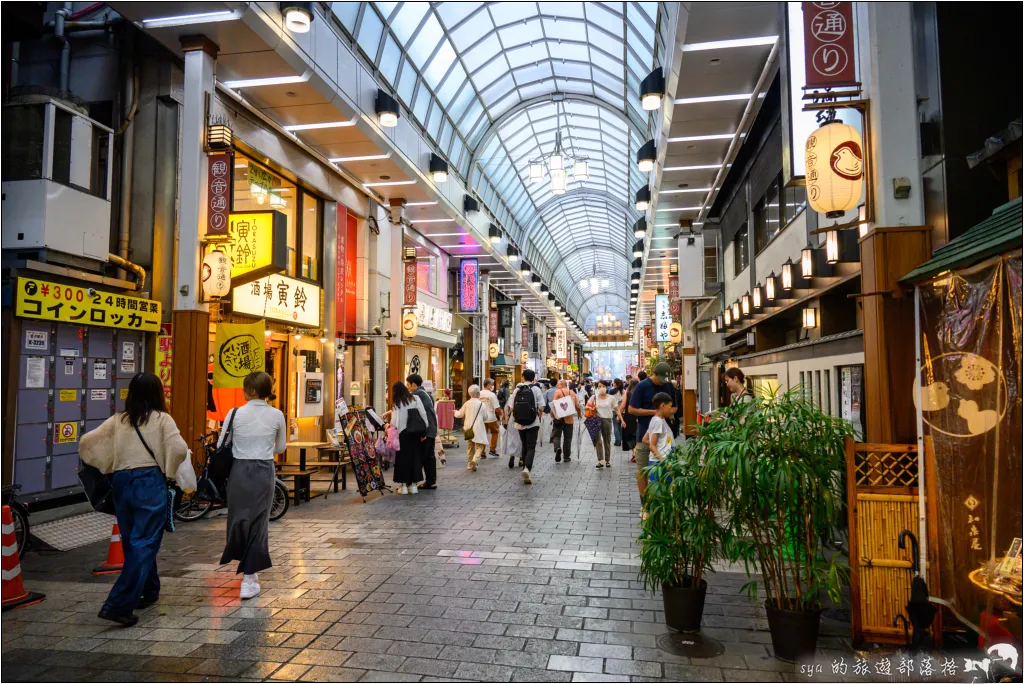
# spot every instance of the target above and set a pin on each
(302, 446)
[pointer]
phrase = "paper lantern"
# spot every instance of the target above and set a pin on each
(410, 324)
(492, 350)
(216, 274)
(675, 332)
(524, 357)
(835, 169)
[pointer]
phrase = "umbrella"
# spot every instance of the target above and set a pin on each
(593, 425)
(919, 608)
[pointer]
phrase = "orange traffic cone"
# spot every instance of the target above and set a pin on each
(14, 592)
(115, 555)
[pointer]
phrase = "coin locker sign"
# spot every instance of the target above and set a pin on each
(71, 304)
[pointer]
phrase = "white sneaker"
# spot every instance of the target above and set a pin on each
(413, 489)
(402, 490)
(526, 477)
(250, 586)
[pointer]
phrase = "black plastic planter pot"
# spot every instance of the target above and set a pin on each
(794, 632)
(684, 606)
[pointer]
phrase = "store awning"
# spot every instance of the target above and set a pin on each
(434, 337)
(999, 233)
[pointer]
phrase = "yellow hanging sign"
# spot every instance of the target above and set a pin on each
(84, 306)
(256, 245)
(239, 351)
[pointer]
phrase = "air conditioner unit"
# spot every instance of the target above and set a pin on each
(56, 179)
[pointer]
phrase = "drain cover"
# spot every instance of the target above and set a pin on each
(690, 645)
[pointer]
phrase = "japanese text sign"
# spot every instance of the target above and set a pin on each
(256, 244)
(561, 344)
(469, 277)
(409, 284)
(432, 317)
(239, 351)
(280, 298)
(829, 58)
(220, 172)
(71, 304)
(493, 325)
(165, 359)
(662, 318)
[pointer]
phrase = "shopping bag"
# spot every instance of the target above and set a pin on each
(513, 443)
(185, 476)
(563, 407)
(545, 429)
(392, 438)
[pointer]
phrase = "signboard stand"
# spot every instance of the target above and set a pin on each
(365, 465)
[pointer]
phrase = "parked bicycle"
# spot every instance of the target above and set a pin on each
(209, 496)
(19, 514)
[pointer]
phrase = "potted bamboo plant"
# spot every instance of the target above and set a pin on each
(680, 537)
(782, 457)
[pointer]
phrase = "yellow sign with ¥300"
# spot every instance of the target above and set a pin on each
(64, 433)
(68, 395)
(51, 301)
(256, 244)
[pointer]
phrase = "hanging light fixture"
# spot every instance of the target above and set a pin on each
(524, 269)
(635, 287)
(745, 305)
(640, 229)
(637, 263)
(512, 253)
(386, 108)
(758, 297)
(494, 233)
(787, 275)
(536, 172)
(646, 156)
(810, 317)
(714, 325)
(832, 247)
(298, 16)
(643, 198)
(581, 170)
(736, 311)
(638, 248)
(635, 278)
(559, 185)
(728, 316)
(535, 281)
(807, 261)
(835, 168)
(438, 168)
(652, 90)
(470, 205)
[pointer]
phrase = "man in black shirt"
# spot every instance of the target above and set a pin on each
(415, 384)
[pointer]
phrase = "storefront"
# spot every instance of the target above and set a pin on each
(426, 354)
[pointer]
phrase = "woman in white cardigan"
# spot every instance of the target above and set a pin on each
(472, 413)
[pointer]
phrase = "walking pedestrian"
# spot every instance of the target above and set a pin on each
(409, 417)
(562, 427)
(504, 393)
(549, 395)
(736, 382)
(492, 411)
(474, 427)
(139, 448)
(618, 390)
(427, 459)
(605, 405)
(527, 405)
(256, 431)
(641, 405)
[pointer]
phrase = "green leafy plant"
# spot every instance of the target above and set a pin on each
(782, 459)
(681, 536)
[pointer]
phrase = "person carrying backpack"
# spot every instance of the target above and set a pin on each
(527, 403)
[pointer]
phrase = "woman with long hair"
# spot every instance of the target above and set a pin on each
(626, 420)
(140, 448)
(256, 431)
(408, 416)
(605, 406)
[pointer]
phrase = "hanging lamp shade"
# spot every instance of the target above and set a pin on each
(787, 275)
(652, 90)
(470, 205)
(558, 181)
(536, 171)
(581, 170)
(835, 169)
(524, 269)
(807, 261)
(832, 247)
(386, 108)
(494, 234)
(643, 198)
(298, 16)
(438, 168)
(635, 278)
(646, 156)
(769, 288)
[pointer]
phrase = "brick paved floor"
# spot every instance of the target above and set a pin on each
(483, 579)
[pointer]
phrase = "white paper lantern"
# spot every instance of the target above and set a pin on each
(216, 274)
(410, 325)
(835, 169)
(675, 332)
(492, 350)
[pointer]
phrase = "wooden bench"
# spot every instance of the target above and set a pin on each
(301, 489)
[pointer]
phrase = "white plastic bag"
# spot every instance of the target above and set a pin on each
(185, 476)
(513, 443)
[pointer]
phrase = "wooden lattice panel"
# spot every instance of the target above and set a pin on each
(885, 468)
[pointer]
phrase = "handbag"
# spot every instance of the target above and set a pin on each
(97, 488)
(469, 431)
(169, 520)
(223, 456)
(415, 424)
(563, 407)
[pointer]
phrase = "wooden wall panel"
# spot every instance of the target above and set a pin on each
(189, 374)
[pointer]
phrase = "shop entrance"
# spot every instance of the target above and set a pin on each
(277, 365)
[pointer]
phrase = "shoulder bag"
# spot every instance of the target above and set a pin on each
(469, 431)
(97, 488)
(222, 457)
(415, 425)
(169, 519)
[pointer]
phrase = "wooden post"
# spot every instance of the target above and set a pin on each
(887, 254)
(396, 369)
(191, 337)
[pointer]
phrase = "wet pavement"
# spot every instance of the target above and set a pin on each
(483, 579)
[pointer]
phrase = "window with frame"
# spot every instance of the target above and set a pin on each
(741, 250)
(426, 267)
(767, 218)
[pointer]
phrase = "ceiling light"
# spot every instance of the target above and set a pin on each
(438, 168)
(643, 198)
(670, 209)
(694, 167)
(294, 128)
(734, 43)
(635, 278)
(298, 16)
(272, 80)
(381, 184)
(441, 220)
(386, 108)
(536, 281)
(638, 248)
(637, 263)
(524, 269)
(512, 253)
(640, 228)
(581, 170)
(635, 287)
(652, 90)
(555, 162)
(558, 181)
(365, 157)
(646, 156)
(494, 233)
(421, 204)
(699, 138)
(713, 98)
(184, 19)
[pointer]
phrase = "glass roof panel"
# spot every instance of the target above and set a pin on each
(422, 44)
(407, 20)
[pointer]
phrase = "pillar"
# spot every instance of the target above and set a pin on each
(396, 347)
(897, 240)
(191, 317)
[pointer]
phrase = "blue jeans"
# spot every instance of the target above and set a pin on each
(140, 501)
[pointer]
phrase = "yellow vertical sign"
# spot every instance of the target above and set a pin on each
(239, 351)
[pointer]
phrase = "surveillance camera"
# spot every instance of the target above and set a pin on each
(92, 291)
(376, 330)
(389, 334)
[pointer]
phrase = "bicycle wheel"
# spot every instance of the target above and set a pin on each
(20, 520)
(280, 505)
(192, 507)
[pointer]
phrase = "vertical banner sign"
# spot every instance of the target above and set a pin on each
(220, 171)
(648, 337)
(165, 358)
(410, 283)
(675, 304)
(340, 269)
(469, 275)
(493, 325)
(505, 316)
(524, 341)
(238, 352)
(351, 273)
(662, 318)
(561, 344)
(829, 44)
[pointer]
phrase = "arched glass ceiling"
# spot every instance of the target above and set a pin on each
(459, 66)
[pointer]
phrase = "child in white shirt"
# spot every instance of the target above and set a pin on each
(659, 434)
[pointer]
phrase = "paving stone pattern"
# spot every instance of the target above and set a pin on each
(483, 579)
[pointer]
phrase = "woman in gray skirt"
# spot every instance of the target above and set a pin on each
(256, 431)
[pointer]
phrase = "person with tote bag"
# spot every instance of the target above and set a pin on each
(139, 449)
(474, 426)
(409, 417)
(564, 416)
